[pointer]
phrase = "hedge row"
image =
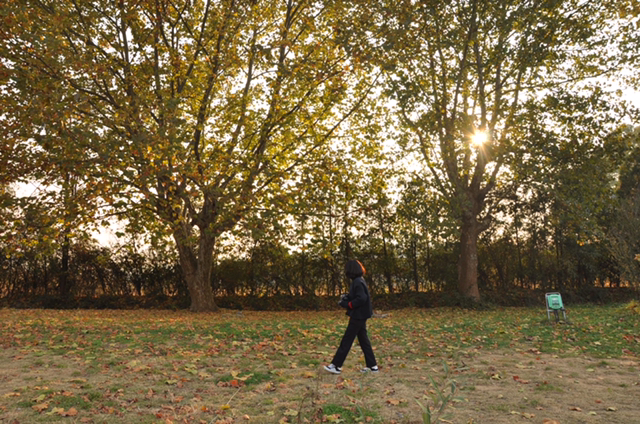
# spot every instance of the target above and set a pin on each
(520, 297)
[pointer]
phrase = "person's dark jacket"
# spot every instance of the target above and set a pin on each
(358, 301)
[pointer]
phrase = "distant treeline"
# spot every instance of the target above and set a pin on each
(271, 277)
(565, 235)
(263, 144)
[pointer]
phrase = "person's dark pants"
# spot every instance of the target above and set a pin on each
(356, 328)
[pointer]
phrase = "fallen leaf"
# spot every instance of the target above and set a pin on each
(40, 407)
(11, 394)
(72, 412)
(612, 408)
(575, 408)
(236, 376)
(394, 402)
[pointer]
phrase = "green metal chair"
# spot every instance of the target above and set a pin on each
(555, 305)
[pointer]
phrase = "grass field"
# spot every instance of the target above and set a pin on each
(508, 365)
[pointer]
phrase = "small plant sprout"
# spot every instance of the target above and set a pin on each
(442, 396)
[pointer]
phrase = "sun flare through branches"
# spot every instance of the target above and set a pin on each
(479, 138)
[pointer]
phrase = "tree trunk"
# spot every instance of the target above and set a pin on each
(559, 271)
(387, 267)
(64, 286)
(428, 266)
(387, 259)
(65, 282)
(414, 262)
(197, 269)
(468, 261)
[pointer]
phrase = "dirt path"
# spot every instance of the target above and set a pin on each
(507, 388)
(493, 387)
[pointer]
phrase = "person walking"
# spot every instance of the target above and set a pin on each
(359, 309)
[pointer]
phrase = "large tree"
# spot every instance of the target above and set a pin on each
(623, 235)
(459, 68)
(180, 114)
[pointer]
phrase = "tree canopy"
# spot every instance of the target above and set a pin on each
(192, 119)
(465, 69)
(181, 114)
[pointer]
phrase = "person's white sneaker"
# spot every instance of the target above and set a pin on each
(333, 369)
(374, 369)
